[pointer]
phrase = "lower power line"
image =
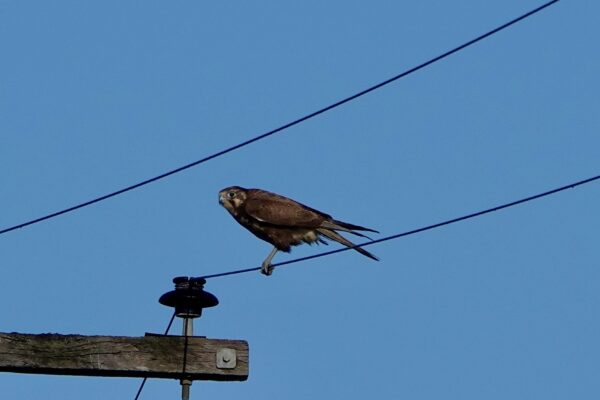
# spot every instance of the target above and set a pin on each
(418, 230)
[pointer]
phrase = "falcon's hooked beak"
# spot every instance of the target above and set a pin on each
(224, 201)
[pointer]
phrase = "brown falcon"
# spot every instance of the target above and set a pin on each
(284, 222)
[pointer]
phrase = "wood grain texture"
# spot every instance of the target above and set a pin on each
(150, 356)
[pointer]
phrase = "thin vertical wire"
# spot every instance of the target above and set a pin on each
(139, 392)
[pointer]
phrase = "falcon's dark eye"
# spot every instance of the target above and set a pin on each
(231, 195)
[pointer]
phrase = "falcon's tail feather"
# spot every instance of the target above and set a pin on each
(352, 226)
(346, 227)
(330, 234)
(319, 240)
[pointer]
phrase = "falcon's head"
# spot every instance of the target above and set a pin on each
(232, 198)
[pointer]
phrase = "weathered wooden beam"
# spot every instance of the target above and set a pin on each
(150, 356)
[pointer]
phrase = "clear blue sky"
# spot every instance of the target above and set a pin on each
(95, 96)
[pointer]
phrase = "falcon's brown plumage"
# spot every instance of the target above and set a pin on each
(284, 222)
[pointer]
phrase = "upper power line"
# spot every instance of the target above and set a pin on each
(418, 230)
(283, 127)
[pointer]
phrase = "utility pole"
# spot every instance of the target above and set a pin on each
(186, 357)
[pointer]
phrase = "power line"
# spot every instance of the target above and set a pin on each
(283, 127)
(418, 230)
(139, 392)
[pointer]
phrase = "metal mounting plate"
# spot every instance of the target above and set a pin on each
(226, 358)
